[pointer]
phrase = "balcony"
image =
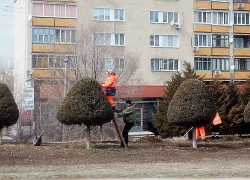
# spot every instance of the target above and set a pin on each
(51, 22)
(242, 46)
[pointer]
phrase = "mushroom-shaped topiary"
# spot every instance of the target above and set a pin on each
(9, 112)
(247, 113)
(192, 105)
(85, 103)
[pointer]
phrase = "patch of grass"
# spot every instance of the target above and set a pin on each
(148, 139)
(230, 138)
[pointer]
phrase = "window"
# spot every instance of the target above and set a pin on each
(202, 17)
(164, 41)
(43, 35)
(164, 17)
(242, 18)
(109, 39)
(48, 10)
(119, 14)
(164, 65)
(114, 64)
(64, 36)
(202, 64)
(42, 61)
(202, 40)
(220, 64)
(38, 9)
(106, 14)
(52, 61)
(221, 18)
(54, 10)
(238, 42)
(241, 0)
(242, 64)
(220, 41)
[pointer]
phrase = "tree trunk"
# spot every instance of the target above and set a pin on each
(119, 132)
(194, 138)
(1, 136)
(88, 137)
(101, 132)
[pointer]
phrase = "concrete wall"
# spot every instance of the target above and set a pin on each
(137, 29)
(22, 46)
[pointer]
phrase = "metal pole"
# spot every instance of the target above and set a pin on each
(65, 92)
(231, 38)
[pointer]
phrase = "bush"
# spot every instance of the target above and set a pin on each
(86, 104)
(192, 104)
(160, 117)
(247, 113)
(9, 112)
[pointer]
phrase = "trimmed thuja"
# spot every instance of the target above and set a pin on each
(247, 113)
(192, 104)
(9, 112)
(86, 104)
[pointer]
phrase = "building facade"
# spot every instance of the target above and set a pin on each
(45, 39)
(221, 39)
(212, 35)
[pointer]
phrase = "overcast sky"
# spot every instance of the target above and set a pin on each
(6, 29)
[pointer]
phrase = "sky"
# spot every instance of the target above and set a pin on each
(6, 30)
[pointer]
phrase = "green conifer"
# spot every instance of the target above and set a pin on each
(85, 103)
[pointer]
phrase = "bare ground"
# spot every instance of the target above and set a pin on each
(142, 160)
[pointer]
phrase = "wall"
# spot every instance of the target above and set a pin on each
(138, 29)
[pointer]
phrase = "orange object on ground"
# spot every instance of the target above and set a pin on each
(200, 131)
(217, 119)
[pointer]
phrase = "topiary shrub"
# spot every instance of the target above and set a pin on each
(85, 103)
(160, 117)
(192, 105)
(9, 112)
(247, 113)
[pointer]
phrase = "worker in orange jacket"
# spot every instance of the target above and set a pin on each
(110, 85)
(200, 131)
(216, 126)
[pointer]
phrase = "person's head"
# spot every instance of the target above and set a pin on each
(109, 73)
(113, 73)
(128, 103)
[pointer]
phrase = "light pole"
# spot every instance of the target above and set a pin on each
(65, 89)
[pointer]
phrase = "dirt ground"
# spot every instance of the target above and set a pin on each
(168, 158)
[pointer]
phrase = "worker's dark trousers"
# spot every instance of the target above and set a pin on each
(125, 131)
(215, 131)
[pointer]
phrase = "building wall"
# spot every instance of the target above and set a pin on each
(137, 29)
(230, 29)
(22, 46)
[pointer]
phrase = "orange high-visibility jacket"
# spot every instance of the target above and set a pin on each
(217, 119)
(110, 81)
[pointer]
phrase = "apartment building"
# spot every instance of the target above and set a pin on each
(222, 39)
(212, 35)
(45, 39)
(159, 31)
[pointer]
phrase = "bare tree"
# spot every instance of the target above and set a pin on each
(95, 55)
(87, 58)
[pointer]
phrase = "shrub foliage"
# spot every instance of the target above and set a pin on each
(85, 103)
(9, 112)
(247, 113)
(192, 104)
(160, 117)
